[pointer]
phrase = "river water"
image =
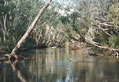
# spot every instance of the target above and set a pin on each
(60, 65)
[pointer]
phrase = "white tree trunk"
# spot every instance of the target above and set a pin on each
(4, 27)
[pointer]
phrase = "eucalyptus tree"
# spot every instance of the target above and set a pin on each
(15, 15)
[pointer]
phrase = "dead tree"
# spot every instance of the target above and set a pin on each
(28, 31)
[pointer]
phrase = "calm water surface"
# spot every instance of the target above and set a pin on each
(60, 65)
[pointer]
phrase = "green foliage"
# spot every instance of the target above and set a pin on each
(17, 20)
(8, 45)
(114, 41)
(30, 43)
(59, 23)
(114, 12)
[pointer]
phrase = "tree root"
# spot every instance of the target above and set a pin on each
(11, 57)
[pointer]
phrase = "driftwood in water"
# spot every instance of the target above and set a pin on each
(97, 45)
(29, 30)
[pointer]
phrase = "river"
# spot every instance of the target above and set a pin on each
(60, 65)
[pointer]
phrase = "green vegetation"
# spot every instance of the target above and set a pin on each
(64, 21)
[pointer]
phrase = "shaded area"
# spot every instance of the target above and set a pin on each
(60, 65)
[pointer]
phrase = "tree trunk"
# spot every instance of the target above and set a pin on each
(4, 27)
(29, 30)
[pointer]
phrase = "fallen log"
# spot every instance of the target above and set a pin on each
(95, 44)
(102, 47)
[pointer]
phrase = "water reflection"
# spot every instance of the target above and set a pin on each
(19, 70)
(61, 65)
(13, 71)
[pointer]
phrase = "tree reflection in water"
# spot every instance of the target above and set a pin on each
(13, 71)
(59, 65)
(19, 70)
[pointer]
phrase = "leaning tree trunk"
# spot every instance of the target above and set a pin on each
(29, 30)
